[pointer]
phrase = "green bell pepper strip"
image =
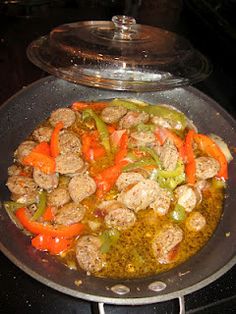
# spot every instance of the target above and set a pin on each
(174, 173)
(155, 110)
(145, 127)
(166, 113)
(171, 183)
(10, 208)
(140, 164)
(169, 179)
(101, 127)
(109, 238)
(125, 104)
(178, 213)
(41, 206)
(151, 152)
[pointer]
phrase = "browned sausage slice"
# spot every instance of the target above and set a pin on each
(165, 241)
(142, 138)
(43, 134)
(69, 143)
(128, 178)
(140, 196)
(65, 115)
(80, 187)
(70, 213)
(24, 149)
(21, 185)
(112, 114)
(169, 155)
(206, 167)
(58, 197)
(45, 181)
(195, 222)
(186, 197)
(133, 118)
(69, 163)
(120, 218)
(162, 203)
(88, 253)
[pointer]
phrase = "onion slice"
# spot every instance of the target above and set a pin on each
(223, 146)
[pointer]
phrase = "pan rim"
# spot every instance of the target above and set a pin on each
(117, 300)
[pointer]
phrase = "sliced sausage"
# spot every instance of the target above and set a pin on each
(202, 184)
(80, 187)
(206, 167)
(14, 170)
(64, 115)
(120, 218)
(140, 196)
(107, 206)
(186, 197)
(21, 185)
(42, 134)
(156, 147)
(165, 241)
(27, 199)
(69, 143)
(133, 118)
(142, 138)
(24, 149)
(69, 163)
(58, 197)
(169, 155)
(128, 178)
(112, 114)
(69, 214)
(45, 181)
(161, 204)
(88, 254)
(195, 221)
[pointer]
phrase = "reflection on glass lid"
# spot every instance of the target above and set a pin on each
(119, 55)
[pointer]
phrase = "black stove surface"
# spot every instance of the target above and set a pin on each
(22, 22)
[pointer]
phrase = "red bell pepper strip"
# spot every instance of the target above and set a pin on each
(208, 146)
(40, 161)
(116, 136)
(123, 149)
(48, 214)
(54, 245)
(54, 143)
(81, 105)
(40, 228)
(111, 128)
(106, 179)
(162, 134)
(190, 166)
(42, 148)
(91, 148)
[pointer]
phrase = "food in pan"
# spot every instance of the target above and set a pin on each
(118, 188)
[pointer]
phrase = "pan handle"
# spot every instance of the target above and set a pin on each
(101, 310)
(181, 305)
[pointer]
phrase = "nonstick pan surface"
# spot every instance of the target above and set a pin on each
(21, 114)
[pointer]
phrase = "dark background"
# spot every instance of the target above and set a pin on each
(209, 25)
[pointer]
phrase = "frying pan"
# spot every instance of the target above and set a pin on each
(21, 114)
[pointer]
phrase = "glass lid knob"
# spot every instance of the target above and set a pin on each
(123, 26)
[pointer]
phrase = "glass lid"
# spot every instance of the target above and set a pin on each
(119, 55)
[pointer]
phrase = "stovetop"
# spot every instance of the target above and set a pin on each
(25, 21)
